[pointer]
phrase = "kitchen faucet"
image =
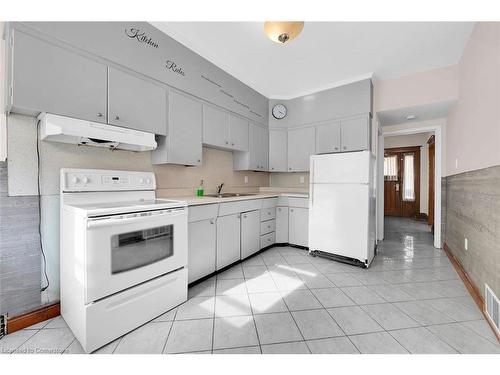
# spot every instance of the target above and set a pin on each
(219, 189)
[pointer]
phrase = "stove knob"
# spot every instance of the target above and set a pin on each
(141, 181)
(148, 181)
(74, 179)
(85, 179)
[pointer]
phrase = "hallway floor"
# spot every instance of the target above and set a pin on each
(410, 300)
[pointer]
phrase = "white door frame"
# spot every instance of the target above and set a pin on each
(437, 129)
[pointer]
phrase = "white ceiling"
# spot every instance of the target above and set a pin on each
(325, 55)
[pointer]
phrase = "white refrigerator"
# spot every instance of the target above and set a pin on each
(342, 207)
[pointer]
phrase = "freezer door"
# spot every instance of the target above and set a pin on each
(339, 220)
(348, 167)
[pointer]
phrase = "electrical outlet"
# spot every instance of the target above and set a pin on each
(246, 179)
(301, 179)
(466, 244)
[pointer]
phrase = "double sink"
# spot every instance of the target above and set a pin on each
(230, 195)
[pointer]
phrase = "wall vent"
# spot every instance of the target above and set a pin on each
(492, 306)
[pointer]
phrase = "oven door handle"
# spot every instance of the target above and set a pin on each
(132, 218)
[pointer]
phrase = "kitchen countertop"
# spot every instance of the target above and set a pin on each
(193, 200)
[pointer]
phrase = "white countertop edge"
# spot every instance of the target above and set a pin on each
(196, 201)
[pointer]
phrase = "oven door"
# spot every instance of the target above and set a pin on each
(125, 250)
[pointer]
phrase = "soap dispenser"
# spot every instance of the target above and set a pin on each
(200, 190)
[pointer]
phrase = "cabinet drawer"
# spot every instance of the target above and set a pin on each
(298, 202)
(267, 240)
(269, 202)
(202, 212)
(230, 208)
(267, 213)
(267, 226)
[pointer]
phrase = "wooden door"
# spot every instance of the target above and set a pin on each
(402, 182)
(430, 219)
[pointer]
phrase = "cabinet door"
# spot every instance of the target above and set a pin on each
(250, 233)
(277, 150)
(301, 145)
(264, 149)
(184, 130)
(328, 138)
(215, 127)
(298, 219)
(254, 158)
(201, 249)
(228, 240)
(355, 134)
(282, 224)
(46, 78)
(238, 130)
(136, 103)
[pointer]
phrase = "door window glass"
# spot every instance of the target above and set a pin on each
(391, 168)
(409, 178)
(140, 248)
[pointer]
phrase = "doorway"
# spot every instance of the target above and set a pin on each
(402, 181)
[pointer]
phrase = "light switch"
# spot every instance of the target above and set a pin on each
(456, 163)
(466, 244)
(301, 179)
(246, 179)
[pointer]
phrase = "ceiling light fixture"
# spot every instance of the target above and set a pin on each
(411, 117)
(282, 32)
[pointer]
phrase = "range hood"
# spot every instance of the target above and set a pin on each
(57, 128)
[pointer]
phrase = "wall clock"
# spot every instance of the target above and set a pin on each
(279, 111)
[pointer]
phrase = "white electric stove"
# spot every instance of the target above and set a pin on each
(123, 253)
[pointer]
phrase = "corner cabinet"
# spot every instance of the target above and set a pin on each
(278, 150)
(257, 157)
(301, 145)
(136, 103)
(224, 130)
(183, 143)
(47, 78)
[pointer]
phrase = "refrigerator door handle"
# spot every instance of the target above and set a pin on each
(311, 181)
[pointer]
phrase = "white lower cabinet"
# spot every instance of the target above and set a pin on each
(250, 233)
(201, 245)
(298, 219)
(228, 240)
(281, 224)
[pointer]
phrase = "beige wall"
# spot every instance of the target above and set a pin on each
(289, 180)
(419, 139)
(217, 168)
(433, 86)
(473, 134)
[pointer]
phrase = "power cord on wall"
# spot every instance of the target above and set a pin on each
(40, 208)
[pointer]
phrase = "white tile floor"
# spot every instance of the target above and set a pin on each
(284, 301)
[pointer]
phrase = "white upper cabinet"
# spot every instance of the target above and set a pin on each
(136, 103)
(277, 150)
(328, 137)
(183, 143)
(224, 130)
(301, 145)
(355, 133)
(256, 159)
(46, 78)
(238, 133)
(215, 127)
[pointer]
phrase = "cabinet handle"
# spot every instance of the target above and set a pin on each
(244, 216)
(232, 143)
(212, 221)
(336, 148)
(99, 114)
(291, 209)
(199, 160)
(268, 240)
(272, 168)
(117, 117)
(268, 213)
(227, 142)
(289, 168)
(279, 209)
(268, 227)
(345, 147)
